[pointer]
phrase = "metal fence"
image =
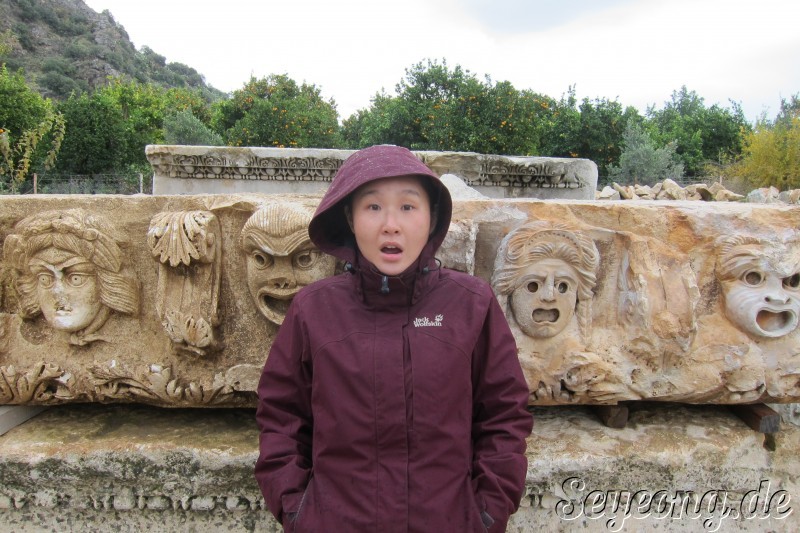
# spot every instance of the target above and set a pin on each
(88, 184)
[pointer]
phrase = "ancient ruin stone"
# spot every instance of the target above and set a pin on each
(609, 301)
(195, 169)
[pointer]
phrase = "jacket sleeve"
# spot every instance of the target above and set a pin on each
(284, 419)
(501, 422)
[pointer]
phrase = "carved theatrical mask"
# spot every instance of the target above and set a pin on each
(66, 287)
(544, 301)
(281, 259)
(547, 273)
(69, 268)
(761, 285)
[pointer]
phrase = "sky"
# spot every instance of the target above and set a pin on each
(635, 51)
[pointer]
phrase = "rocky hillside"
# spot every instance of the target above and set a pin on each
(65, 46)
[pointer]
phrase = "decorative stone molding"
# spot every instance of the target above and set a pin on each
(186, 244)
(182, 169)
(608, 301)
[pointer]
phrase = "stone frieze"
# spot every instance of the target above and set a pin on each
(175, 300)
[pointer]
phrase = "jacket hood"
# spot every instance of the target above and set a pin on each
(329, 230)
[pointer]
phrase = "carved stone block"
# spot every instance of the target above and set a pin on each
(186, 245)
(608, 301)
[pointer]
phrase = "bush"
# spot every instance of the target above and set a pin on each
(184, 128)
(641, 162)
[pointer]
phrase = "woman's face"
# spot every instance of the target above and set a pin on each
(544, 301)
(66, 288)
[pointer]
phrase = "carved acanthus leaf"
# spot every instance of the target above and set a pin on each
(39, 384)
(156, 385)
(179, 237)
(188, 333)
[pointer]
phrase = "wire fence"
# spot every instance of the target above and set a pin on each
(137, 183)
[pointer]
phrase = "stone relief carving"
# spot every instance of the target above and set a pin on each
(131, 498)
(607, 304)
(187, 246)
(161, 386)
(70, 268)
(548, 274)
(262, 168)
(43, 383)
(281, 259)
(749, 350)
(760, 284)
(545, 277)
(542, 175)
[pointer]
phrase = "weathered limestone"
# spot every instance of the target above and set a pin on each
(211, 169)
(669, 190)
(133, 468)
(174, 300)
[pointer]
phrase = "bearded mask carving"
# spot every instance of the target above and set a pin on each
(281, 258)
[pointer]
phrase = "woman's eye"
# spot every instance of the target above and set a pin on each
(562, 287)
(45, 280)
(792, 282)
(533, 286)
(262, 260)
(753, 278)
(305, 259)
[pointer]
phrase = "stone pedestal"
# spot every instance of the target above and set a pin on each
(135, 468)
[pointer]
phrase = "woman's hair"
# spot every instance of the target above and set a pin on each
(82, 234)
(540, 240)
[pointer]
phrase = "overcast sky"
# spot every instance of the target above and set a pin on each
(635, 51)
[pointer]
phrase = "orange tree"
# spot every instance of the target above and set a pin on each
(276, 111)
(439, 108)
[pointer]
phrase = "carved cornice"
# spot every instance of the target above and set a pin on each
(321, 166)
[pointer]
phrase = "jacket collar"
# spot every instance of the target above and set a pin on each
(378, 290)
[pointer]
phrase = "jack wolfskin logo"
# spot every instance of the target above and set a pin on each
(425, 322)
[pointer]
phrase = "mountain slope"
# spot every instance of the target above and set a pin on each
(65, 46)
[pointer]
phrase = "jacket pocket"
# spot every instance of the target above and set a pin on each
(479, 521)
(293, 507)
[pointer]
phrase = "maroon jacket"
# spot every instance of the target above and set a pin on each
(391, 411)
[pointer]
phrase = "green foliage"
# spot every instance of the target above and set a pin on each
(8, 41)
(641, 162)
(700, 134)
(142, 108)
(592, 130)
(184, 128)
(108, 129)
(275, 111)
(31, 131)
(438, 108)
(96, 135)
(771, 155)
(60, 18)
